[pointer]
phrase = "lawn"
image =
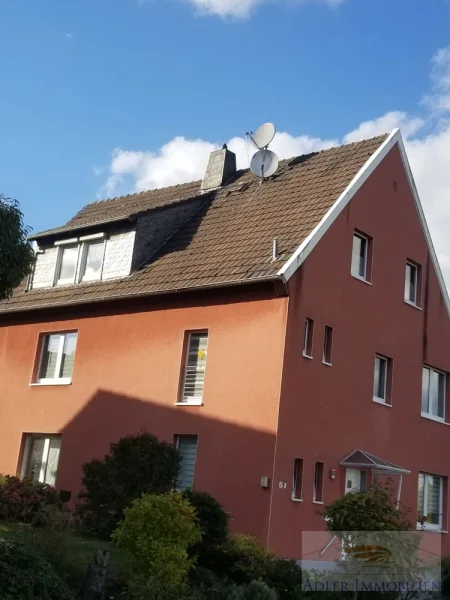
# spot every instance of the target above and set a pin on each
(74, 552)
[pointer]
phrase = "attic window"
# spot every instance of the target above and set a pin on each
(80, 260)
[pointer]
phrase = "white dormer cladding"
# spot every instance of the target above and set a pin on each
(114, 252)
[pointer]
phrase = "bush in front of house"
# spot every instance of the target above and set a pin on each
(137, 464)
(26, 574)
(155, 535)
(213, 523)
(27, 501)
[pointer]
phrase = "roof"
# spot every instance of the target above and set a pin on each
(362, 459)
(115, 209)
(229, 240)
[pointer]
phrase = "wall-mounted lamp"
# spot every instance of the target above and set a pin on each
(332, 473)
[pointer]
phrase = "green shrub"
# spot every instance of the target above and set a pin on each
(212, 521)
(27, 501)
(255, 590)
(241, 558)
(26, 575)
(155, 534)
(285, 577)
(137, 464)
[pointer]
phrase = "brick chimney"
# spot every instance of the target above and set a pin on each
(221, 168)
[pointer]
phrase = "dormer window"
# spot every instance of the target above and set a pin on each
(80, 260)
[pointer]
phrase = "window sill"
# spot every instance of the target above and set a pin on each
(190, 403)
(317, 501)
(381, 401)
(50, 382)
(412, 304)
(361, 279)
(430, 529)
(296, 499)
(436, 419)
(327, 364)
(307, 356)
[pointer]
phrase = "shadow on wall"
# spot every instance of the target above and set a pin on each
(231, 459)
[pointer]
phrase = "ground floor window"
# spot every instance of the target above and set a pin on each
(430, 501)
(187, 447)
(41, 457)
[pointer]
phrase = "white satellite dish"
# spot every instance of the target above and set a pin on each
(264, 163)
(263, 136)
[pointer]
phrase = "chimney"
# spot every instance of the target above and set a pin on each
(221, 168)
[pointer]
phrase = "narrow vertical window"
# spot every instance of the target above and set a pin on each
(308, 338)
(57, 358)
(412, 287)
(297, 483)
(195, 366)
(318, 482)
(360, 267)
(381, 376)
(67, 264)
(187, 447)
(92, 261)
(433, 393)
(41, 458)
(328, 345)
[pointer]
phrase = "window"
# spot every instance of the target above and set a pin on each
(318, 482)
(429, 501)
(187, 447)
(68, 262)
(41, 457)
(433, 393)
(91, 269)
(327, 345)
(381, 376)
(57, 357)
(195, 365)
(308, 338)
(297, 484)
(412, 284)
(361, 257)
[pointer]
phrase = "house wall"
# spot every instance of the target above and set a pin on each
(126, 378)
(327, 412)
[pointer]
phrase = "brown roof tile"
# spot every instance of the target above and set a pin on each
(229, 239)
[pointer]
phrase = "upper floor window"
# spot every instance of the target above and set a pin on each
(433, 393)
(57, 358)
(194, 368)
(327, 345)
(430, 501)
(361, 256)
(381, 374)
(412, 283)
(308, 338)
(80, 261)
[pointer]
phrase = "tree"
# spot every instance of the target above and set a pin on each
(16, 253)
(137, 464)
(155, 535)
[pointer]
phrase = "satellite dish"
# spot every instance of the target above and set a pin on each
(263, 136)
(264, 163)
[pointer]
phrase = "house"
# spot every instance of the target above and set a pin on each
(291, 337)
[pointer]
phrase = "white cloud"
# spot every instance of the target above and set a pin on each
(241, 9)
(185, 160)
(69, 36)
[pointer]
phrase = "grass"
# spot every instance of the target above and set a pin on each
(72, 551)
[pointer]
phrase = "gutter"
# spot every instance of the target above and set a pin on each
(223, 284)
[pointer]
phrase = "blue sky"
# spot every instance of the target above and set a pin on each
(94, 90)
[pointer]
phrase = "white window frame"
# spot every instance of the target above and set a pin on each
(295, 482)
(59, 357)
(59, 262)
(315, 501)
(414, 266)
(328, 336)
(363, 237)
(84, 247)
(177, 446)
(27, 453)
(430, 415)
(431, 526)
(378, 399)
(309, 328)
(192, 400)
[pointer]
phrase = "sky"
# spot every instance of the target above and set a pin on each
(106, 97)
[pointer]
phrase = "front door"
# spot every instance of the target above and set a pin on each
(355, 480)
